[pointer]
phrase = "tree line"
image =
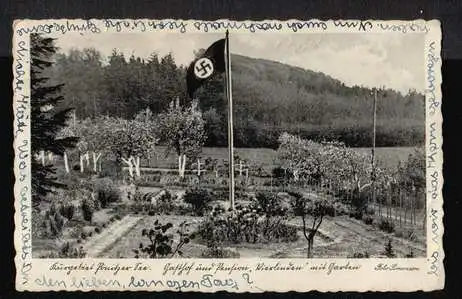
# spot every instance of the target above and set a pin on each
(269, 98)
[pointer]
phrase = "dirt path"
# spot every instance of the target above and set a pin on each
(96, 245)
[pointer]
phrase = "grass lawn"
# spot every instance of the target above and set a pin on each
(267, 158)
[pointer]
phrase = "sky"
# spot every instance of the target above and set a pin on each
(371, 60)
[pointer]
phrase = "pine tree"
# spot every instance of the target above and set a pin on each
(389, 252)
(46, 121)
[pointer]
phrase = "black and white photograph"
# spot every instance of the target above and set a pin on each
(228, 145)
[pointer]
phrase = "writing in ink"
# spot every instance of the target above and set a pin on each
(296, 26)
(361, 25)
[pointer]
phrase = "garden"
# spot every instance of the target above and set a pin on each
(307, 206)
(107, 186)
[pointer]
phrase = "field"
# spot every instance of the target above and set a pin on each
(267, 158)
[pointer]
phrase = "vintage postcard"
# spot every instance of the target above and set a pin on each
(253, 156)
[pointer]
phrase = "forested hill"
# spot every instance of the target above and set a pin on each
(269, 98)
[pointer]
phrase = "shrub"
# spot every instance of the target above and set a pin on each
(106, 191)
(389, 252)
(359, 255)
(137, 195)
(386, 225)
(245, 225)
(340, 209)
(198, 198)
(141, 207)
(221, 195)
(368, 219)
(355, 214)
(161, 243)
(408, 234)
(280, 173)
(67, 210)
(97, 230)
(53, 222)
(67, 251)
(358, 203)
(369, 211)
(410, 254)
(88, 208)
(169, 179)
(164, 203)
(269, 204)
(219, 252)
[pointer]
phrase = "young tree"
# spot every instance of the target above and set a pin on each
(128, 140)
(291, 153)
(302, 158)
(317, 208)
(46, 119)
(353, 168)
(182, 129)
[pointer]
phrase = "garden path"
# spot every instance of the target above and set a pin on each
(97, 244)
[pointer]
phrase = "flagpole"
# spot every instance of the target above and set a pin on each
(374, 123)
(230, 122)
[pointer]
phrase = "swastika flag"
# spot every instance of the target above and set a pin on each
(203, 67)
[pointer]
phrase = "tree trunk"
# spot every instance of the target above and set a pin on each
(51, 157)
(296, 177)
(66, 162)
(81, 163)
(87, 158)
(181, 165)
(95, 161)
(308, 251)
(42, 157)
(130, 165)
(183, 168)
(136, 163)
